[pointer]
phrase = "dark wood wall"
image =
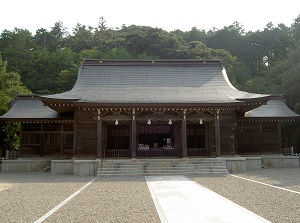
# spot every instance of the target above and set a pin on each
(46, 139)
(58, 139)
(259, 138)
(227, 131)
(86, 133)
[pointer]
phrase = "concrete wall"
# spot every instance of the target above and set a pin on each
(235, 164)
(85, 167)
(276, 161)
(76, 167)
(27, 165)
(243, 164)
(253, 163)
(62, 166)
(90, 167)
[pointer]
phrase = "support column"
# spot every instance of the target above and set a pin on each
(183, 135)
(61, 139)
(261, 139)
(133, 135)
(75, 132)
(42, 136)
(99, 135)
(21, 141)
(217, 133)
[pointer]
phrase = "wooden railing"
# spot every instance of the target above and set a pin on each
(12, 155)
(155, 152)
(197, 152)
(117, 153)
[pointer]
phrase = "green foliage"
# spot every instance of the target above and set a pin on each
(9, 136)
(10, 85)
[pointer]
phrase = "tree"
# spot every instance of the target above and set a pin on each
(82, 38)
(57, 37)
(10, 85)
(153, 41)
(17, 47)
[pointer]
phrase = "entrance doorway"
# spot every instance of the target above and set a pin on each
(118, 144)
(155, 140)
(196, 140)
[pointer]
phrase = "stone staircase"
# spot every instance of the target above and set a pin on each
(131, 167)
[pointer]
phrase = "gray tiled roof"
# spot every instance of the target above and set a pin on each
(144, 82)
(29, 107)
(275, 108)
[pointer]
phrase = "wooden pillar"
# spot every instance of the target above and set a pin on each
(217, 133)
(208, 138)
(133, 135)
(99, 135)
(75, 132)
(21, 141)
(41, 138)
(61, 140)
(177, 138)
(279, 140)
(261, 139)
(183, 135)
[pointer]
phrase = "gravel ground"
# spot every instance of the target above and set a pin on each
(275, 205)
(111, 199)
(25, 197)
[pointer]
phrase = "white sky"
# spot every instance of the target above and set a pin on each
(166, 14)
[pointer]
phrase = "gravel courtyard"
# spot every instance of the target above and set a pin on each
(26, 197)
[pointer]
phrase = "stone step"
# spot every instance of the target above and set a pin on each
(148, 167)
(130, 167)
(160, 173)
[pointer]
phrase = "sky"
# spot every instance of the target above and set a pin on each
(166, 14)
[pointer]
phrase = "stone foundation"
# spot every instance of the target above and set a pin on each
(85, 167)
(243, 164)
(25, 165)
(62, 166)
(89, 167)
(275, 161)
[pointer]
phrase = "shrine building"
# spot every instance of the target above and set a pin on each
(150, 109)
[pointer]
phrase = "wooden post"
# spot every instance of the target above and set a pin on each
(261, 138)
(41, 138)
(21, 141)
(183, 135)
(133, 135)
(217, 133)
(75, 132)
(61, 139)
(99, 135)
